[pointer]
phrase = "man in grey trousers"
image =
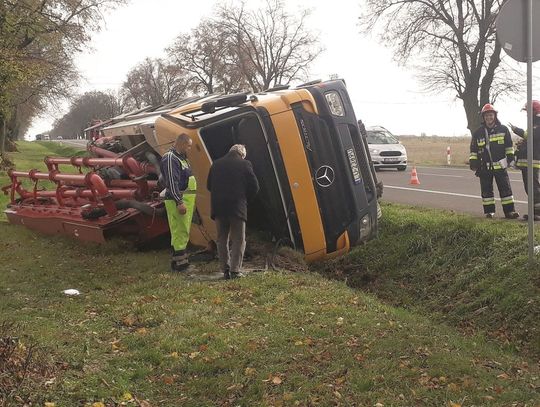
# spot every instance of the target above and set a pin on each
(232, 184)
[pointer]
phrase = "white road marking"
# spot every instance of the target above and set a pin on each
(444, 193)
(441, 175)
(444, 168)
(466, 169)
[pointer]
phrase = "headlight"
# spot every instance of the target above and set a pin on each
(334, 102)
(373, 151)
(365, 228)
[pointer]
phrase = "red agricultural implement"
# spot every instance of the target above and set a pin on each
(116, 194)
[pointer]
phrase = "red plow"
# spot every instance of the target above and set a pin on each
(115, 194)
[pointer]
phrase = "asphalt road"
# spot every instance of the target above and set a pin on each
(456, 189)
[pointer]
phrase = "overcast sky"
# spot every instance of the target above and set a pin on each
(382, 92)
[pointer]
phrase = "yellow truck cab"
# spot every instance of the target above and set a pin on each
(317, 189)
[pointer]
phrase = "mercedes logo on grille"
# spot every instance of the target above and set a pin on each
(325, 176)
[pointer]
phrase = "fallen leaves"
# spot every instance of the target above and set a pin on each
(249, 371)
(277, 380)
(168, 380)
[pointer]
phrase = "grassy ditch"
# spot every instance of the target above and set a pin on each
(139, 335)
(466, 271)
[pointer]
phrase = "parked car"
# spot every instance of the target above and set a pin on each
(385, 149)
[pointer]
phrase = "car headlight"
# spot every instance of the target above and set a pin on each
(334, 103)
(373, 151)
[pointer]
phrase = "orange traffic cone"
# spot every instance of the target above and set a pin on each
(414, 177)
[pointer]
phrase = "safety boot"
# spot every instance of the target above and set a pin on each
(536, 217)
(490, 215)
(511, 215)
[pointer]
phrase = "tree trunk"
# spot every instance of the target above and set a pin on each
(472, 111)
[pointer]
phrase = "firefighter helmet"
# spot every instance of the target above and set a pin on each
(488, 107)
(536, 107)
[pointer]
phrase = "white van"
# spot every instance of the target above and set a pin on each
(385, 149)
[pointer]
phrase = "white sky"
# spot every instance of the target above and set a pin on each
(382, 92)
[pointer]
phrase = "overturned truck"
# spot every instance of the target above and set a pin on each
(317, 193)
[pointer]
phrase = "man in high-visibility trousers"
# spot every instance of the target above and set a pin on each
(179, 199)
(492, 152)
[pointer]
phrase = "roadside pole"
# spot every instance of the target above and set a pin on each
(530, 138)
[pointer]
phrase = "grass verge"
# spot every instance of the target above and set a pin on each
(466, 271)
(139, 335)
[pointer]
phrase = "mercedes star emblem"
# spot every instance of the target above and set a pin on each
(325, 176)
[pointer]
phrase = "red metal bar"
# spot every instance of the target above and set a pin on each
(101, 152)
(80, 193)
(92, 180)
(101, 191)
(130, 164)
(127, 162)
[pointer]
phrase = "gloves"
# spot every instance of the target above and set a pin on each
(474, 165)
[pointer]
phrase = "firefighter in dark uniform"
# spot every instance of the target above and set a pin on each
(521, 157)
(491, 153)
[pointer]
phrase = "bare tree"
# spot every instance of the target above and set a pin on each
(84, 109)
(452, 43)
(206, 55)
(271, 46)
(155, 82)
(38, 41)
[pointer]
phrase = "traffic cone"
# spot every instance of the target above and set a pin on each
(414, 177)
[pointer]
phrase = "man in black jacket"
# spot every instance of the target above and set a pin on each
(233, 183)
(521, 157)
(492, 152)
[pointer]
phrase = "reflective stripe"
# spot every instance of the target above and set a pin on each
(496, 137)
(509, 150)
(473, 156)
(497, 166)
(507, 200)
(481, 143)
(522, 163)
(488, 201)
